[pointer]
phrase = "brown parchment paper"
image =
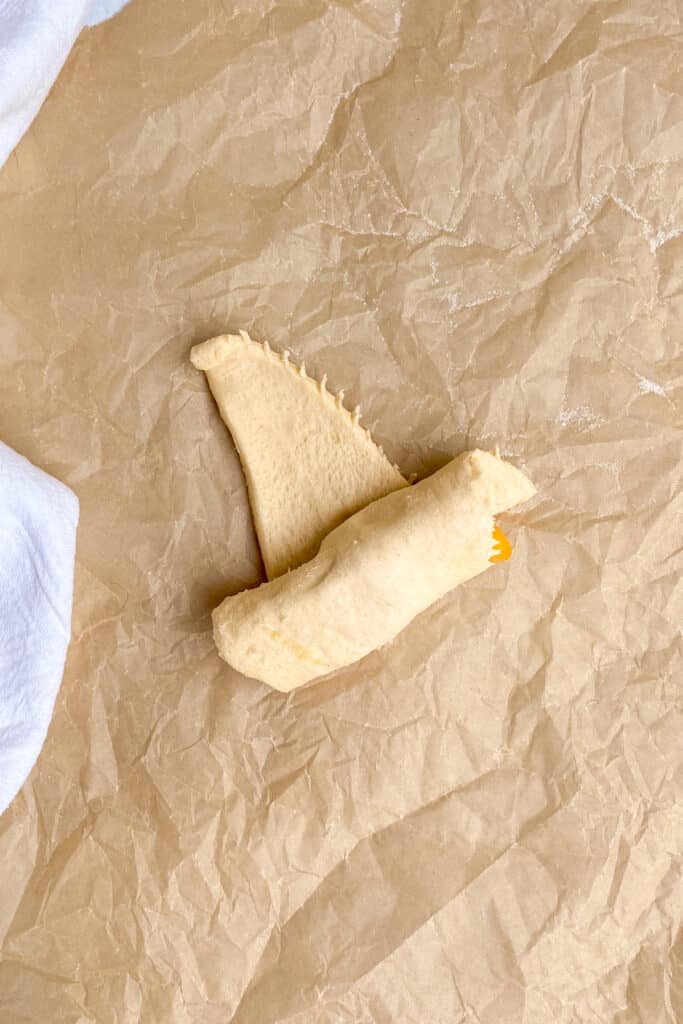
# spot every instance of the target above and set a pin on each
(470, 216)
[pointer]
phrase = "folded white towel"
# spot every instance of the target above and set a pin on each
(38, 520)
(35, 39)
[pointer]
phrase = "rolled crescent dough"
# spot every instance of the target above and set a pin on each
(371, 576)
(308, 462)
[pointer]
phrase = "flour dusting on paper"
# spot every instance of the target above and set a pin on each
(650, 387)
(582, 416)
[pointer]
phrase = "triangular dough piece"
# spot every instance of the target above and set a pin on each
(309, 464)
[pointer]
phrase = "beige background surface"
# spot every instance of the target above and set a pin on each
(469, 215)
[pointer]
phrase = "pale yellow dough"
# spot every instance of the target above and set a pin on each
(308, 462)
(372, 575)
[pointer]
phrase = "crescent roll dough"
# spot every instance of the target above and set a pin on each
(308, 462)
(371, 576)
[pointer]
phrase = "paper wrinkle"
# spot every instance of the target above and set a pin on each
(360, 916)
(469, 218)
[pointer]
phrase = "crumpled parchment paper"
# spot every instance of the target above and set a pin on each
(470, 216)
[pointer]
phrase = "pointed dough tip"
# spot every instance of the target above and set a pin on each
(208, 354)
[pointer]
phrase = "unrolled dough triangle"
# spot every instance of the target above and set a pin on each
(309, 464)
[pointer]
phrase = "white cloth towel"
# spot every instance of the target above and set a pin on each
(38, 520)
(35, 39)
